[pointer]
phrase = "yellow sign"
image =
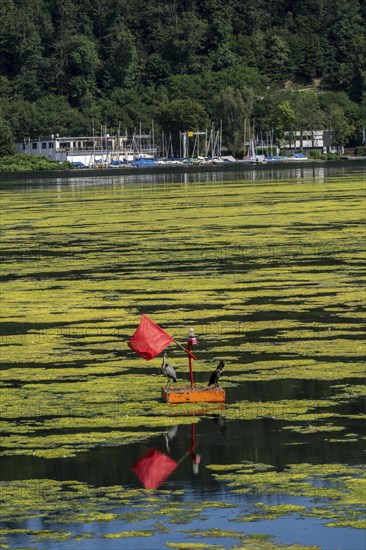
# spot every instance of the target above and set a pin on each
(190, 134)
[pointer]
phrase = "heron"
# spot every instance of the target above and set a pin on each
(215, 375)
(169, 435)
(168, 371)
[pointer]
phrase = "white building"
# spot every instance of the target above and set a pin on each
(310, 140)
(89, 150)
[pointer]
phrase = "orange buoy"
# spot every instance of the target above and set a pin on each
(149, 340)
(197, 394)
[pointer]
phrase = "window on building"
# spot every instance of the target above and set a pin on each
(50, 145)
(44, 145)
(34, 145)
(23, 146)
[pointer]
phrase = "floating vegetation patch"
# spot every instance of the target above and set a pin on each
(314, 429)
(192, 545)
(71, 503)
(126, 534)
(305, 409)
(252, 542)
(334, 490)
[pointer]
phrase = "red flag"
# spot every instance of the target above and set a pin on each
(153, 468)
(149, 339)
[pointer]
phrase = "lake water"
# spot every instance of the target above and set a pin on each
(267, 264)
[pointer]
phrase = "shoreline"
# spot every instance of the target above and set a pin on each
(11, 176)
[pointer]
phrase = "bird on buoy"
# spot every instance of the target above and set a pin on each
(168, 371)
(215, 376)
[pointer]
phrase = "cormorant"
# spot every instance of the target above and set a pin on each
(215, 376)
(168, 371)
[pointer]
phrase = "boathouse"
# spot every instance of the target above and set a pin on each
(89, 150)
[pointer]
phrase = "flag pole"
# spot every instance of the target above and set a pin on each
(186, 350)
(192, 340)
(190, 363)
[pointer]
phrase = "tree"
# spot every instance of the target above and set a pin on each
(28, 56)
(218, 14)
(65, 19)
(339, 126)
(278, 63)
(285, 117)
(183, 45)
(6, 138)
(252, 16)
(121, 59)
(308, 57)
(308, 115)
(20, 115)
(362, 121)
(82, 66)
(156, 70)
(54, 115)
(182, 115)
(7, 33)
(232, 107)
(355, 70)
(345, 34)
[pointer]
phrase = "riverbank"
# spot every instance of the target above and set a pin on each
(24, 163)
(33, 176)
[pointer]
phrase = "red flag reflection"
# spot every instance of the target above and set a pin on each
(153, 468)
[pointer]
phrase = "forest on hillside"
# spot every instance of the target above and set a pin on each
(289, 64)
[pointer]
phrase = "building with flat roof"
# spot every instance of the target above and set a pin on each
(89, 150)
(310, 140)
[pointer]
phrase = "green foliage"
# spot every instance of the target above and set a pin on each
(185, 55)
(6, 138)
(121, 63)
(307, 109)
(232, 108)
(82, 65)
(284, 116)
(277, 58)
(20, 163)
(183, 115)
(346, 34)
(48, 115)
(340, 127)
(314, 154)
(317, 155)
(87, 54)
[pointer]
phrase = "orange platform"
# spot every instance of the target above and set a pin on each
(197, 394)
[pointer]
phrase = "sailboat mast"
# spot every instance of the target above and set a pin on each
(245, 136)
(220, 137)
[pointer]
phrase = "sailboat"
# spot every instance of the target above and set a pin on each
(249, 156)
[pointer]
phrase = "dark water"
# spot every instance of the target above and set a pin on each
(215, 441)
(218, 441)
(316, 171)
